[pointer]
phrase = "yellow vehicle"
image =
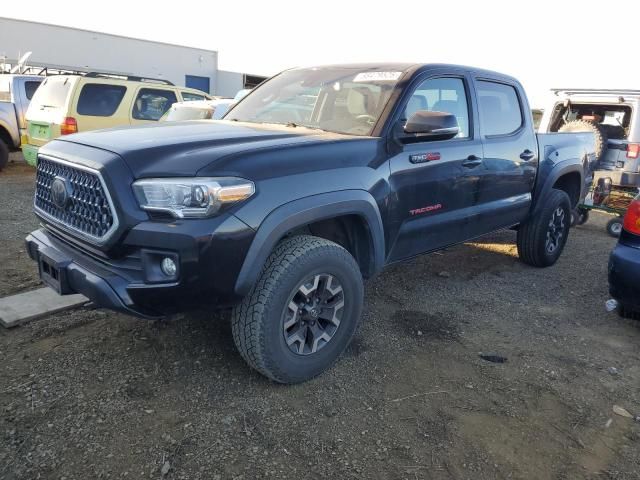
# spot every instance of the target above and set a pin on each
(66, 104)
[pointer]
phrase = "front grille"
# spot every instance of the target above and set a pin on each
(78, 200)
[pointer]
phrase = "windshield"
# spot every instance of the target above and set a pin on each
(342, 100)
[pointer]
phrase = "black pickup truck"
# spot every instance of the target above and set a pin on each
(319, 178)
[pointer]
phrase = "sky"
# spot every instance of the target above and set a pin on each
(545, 44)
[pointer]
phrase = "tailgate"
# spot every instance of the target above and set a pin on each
(616, 157)
(43, 128)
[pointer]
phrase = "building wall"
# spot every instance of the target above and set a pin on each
(75, 49)
(229, 83)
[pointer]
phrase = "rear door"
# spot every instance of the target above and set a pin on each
(151, 103)
(510, 162)
(435, 181)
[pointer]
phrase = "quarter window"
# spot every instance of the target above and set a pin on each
(191, 97)
(99, 99)
(30, 88)
(499, 106)
(152, 103)
(442, 95)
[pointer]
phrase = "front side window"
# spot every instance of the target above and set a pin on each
(499, 107)
(442, 95)
(99, 99)
(337, 99)
(30, 88)
(152, 103)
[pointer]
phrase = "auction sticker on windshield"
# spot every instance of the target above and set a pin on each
(377, 77)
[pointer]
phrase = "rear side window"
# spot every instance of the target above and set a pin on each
(30, 89)
(152, 103)
(190, 97)
(100, 100)
(53, 92)
(500, 112)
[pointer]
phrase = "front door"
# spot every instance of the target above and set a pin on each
(436, 182)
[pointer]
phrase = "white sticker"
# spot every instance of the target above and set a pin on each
(377, 77)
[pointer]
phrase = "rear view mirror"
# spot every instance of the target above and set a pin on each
(432, 125)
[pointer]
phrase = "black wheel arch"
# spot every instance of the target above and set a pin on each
(310, 215)
(567, 176)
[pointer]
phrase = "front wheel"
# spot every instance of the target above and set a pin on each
(542, 238)
(302, 312)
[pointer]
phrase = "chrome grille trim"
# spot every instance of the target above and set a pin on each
(58, 222)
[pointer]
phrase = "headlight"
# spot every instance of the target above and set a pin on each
(191, 197)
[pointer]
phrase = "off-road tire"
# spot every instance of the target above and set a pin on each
(532, 235)
(4, 154)
(614, 227)
(257, 323)
(598, 131)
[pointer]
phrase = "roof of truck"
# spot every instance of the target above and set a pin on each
(411, 66)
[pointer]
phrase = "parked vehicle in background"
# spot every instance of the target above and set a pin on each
(317, 179)
(72, 103)
(624, 264)
(537, 117)
(16, 92)
(198, 110)
(241, 94)
(613, 117)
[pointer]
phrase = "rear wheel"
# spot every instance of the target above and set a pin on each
(614, 227)
(302, 312)
(4, 154)
(542, 238)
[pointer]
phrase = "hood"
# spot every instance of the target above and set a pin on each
(184, 148)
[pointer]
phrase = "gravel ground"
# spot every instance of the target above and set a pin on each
(93, 394)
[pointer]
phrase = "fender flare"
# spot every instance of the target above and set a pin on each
(553, 176)
(303, 211)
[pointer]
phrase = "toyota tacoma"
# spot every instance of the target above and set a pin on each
(316, 180)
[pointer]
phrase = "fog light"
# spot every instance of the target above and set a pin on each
(168, 267)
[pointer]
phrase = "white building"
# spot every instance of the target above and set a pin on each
(63, 48)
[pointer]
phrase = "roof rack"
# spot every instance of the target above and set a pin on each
(128, 77)
(595, 91)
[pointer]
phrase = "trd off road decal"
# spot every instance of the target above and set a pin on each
(424, 157)
(427, 209)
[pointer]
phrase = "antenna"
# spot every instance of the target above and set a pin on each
(21, 62)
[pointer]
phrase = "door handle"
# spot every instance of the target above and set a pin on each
(472, 161)
(527, 155)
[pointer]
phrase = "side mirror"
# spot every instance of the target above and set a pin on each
(432, 125)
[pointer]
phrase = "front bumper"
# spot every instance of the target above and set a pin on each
(208, 265)
(624, 276)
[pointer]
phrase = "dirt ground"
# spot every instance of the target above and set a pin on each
(93, 394)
